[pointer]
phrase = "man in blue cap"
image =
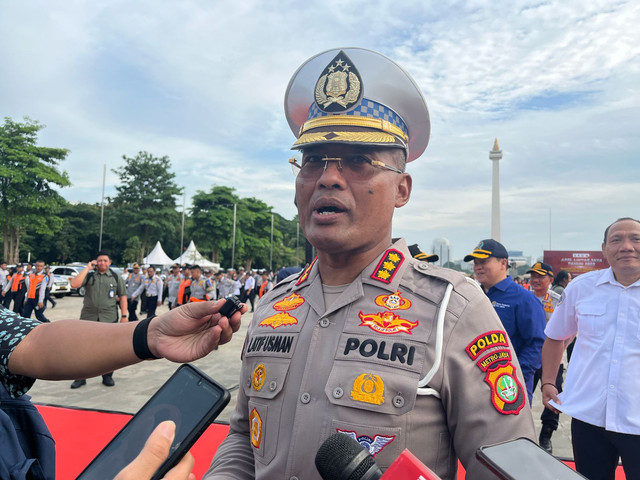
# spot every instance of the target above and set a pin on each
(367, 341)
(521, 313)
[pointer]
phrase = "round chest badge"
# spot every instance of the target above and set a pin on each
(259, 374)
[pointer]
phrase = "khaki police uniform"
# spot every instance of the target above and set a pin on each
(101, 296)
(379, 365)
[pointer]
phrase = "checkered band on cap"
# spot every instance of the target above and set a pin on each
(366, 108)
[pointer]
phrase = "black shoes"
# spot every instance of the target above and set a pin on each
(78, 383)
(545, 439)
(108, 381)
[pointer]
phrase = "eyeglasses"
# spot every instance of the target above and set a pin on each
(352, 167)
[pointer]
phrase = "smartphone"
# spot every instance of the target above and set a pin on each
(190, 398)
(523, 459)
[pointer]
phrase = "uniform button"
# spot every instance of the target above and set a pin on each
(272, 385)
(615, 362)
(338, 392)
(423, 266)
(398, 401)
(324, 323)
(293, 478)
(305, 398)
(611, 387)
(249, 383)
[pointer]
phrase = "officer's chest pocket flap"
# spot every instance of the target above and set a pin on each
(382, 389)
(591, 318)
(266, 378)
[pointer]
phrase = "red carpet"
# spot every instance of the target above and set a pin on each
(80, 435)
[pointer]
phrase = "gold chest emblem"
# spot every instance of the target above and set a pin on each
(368, 388)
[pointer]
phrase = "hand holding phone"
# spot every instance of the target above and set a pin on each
(189, 398)
(156, 450)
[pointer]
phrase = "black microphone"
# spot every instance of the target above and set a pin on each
(341, 457)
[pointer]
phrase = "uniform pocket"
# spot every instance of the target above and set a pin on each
(263, 387)
(590, 318)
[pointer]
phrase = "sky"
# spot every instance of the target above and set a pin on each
(203, 82)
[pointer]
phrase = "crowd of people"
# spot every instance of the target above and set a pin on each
(371, 340)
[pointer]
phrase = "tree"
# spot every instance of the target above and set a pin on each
(145, 204)
(28, 175)
(212, 220)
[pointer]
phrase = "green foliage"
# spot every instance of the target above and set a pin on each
(28, 175)
(212, 222)
(131, 252)
(145, 205)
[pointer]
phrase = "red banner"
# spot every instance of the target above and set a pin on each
(575, 262)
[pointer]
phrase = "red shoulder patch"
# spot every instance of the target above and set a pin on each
(388, 266)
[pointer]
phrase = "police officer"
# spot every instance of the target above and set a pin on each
(541, 280)
(201, 287)
(134, 280)
(151, 286)
(174, 278)
(367, 340)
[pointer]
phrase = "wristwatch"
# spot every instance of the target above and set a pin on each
(125, 316)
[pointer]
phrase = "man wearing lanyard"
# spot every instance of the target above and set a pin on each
(601, 389)
(104, 289)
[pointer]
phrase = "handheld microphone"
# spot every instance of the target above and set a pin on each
(341, 457)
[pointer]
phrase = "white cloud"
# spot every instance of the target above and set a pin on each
(203, 82)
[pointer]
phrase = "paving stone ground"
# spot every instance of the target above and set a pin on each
(135, 384)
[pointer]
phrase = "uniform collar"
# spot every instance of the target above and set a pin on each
(384, 272)
(607, 276)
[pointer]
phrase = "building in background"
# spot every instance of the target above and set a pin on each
(442, 248)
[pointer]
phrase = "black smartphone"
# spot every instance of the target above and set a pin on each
(523, 459)
(190, 398)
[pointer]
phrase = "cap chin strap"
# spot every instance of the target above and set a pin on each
(442, 311)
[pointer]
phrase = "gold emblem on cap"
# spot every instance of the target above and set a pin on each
(339, 86)
(368, 388)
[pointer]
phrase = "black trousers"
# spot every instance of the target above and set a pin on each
(152, 304)
(548, 417)
(30, 305)
(596, 451)
(131, 309)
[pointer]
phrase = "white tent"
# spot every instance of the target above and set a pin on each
(192, 256)
(157, 257)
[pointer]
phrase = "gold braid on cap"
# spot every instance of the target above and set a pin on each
(355, 121)
(360, 137)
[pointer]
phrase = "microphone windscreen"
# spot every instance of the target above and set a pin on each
(341, 457)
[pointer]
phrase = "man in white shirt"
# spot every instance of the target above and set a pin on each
(602, 387)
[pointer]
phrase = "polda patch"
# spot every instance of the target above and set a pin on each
(490, 359)
(507, 395)
(487, 340)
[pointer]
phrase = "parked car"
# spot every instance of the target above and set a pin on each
(60, 286)
(68, 272)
